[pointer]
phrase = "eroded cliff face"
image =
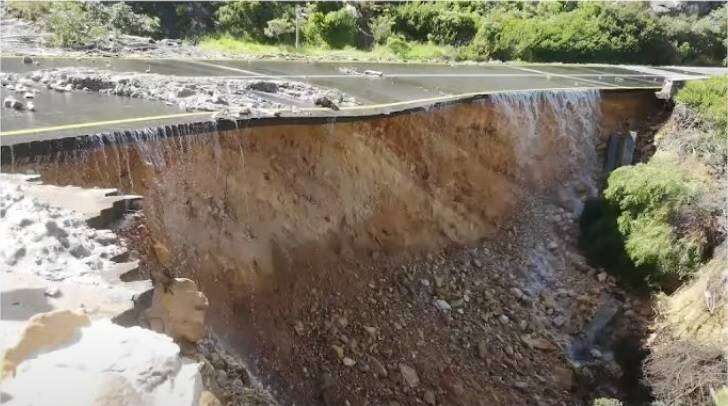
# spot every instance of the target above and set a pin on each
(260, 215)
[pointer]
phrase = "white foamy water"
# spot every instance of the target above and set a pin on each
(527, 116)
(51, 242)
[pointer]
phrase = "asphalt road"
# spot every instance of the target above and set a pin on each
(75, 113)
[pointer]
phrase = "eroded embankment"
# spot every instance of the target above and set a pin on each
(304, 236)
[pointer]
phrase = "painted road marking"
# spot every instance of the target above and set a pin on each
(102, 123)
(249, 72)
(569, 77)
(303, 109)
(441, 75)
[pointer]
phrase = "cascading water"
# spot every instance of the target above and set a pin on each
(530, 116)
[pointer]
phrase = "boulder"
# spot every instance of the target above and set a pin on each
(178, 310)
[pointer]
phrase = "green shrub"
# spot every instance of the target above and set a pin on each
(442, 23)
(28, 10)
(592, 32)
(708, 98)
(658, 217)
(381, 28)
(249, 19)
(336, 29)
(75, 24)
(649, 228)
(71, 25)
(398, 45)
(121, 18)
(698, 40)
(280, 29)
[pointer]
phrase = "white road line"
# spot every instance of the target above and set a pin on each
(570, 77)
(248, 72)
(449, 75)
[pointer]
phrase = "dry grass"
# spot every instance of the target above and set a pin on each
(688, 354)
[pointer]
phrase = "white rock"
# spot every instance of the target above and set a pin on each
(443, 305)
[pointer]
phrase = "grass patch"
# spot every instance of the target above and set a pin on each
(708, 98)
(407, 51)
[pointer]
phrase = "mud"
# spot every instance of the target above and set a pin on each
(286, 228)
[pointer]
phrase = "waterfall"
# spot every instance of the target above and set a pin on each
(533, 118)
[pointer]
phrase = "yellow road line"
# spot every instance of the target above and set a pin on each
(308, 109)
(101, 123)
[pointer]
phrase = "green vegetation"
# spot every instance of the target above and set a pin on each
(650, 227)
(553, 31)
(708, 98)
(74, 24)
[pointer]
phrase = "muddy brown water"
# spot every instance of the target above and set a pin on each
(253, 214)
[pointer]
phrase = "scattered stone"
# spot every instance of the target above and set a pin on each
(520, 385)
(348, 362)
(410, 375)
(538, 343)
(443, 305)
(52, 292)
(324, 101)
(13, 103)
(298, 327)
(378, 367)
(372, 331)
(430, 397)
(30, 106)
(602, 276)
(339, 350)
(482, 349)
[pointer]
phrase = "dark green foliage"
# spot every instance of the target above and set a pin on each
(336, 29)
(592, 32)
(443, 22)
(249, 19)
(75, 24)
(180, 19)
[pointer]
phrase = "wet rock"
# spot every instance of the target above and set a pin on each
(52, 292)
(263, 86)
(409, 375)
(324, 101)
(13, 103)
(30, 106)
(185, 92)
(27, 59)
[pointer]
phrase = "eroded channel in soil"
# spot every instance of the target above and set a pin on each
(427, 257)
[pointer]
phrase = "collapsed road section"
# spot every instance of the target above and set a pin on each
(423, 256)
